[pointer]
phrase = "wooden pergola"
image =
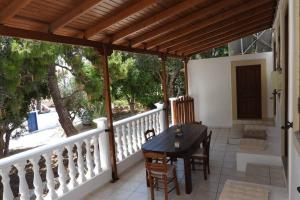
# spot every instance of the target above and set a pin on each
(166, 28)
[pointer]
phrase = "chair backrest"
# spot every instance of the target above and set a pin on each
(149, 134)
(206, 143)
(183, 110)
(155, 162)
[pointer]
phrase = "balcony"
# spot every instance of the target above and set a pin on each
(79, 167)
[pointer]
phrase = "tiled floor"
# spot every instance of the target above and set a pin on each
(132, 184)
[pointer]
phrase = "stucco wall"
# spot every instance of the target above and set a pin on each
(211, 83)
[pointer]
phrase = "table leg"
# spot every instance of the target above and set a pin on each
(147, 179)
(188, 176)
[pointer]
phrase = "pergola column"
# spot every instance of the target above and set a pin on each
(104, 52)
(165, 89)
(186, 80)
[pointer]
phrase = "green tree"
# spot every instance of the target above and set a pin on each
(22, 77)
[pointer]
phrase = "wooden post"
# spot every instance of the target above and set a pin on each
(186, 80)
(165, 89)
(104, 52)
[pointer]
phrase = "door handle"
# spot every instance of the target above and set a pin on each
(287, 126)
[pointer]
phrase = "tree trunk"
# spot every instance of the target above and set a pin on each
(7, 139)
(61, 110)
(173, 78)
(2, 144)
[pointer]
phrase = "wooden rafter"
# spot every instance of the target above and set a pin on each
(223, 41)
(228, 36)
(77, 11)
(12, 9)
(236, 20)
(34, 35)
(229, 29)
(107, 22)
(199, 14)
(245, 7)
(225, 34)
(117, 37)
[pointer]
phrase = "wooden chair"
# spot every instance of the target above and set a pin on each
(183, 110)
(149, 134)
(160, 172)
(201, 156)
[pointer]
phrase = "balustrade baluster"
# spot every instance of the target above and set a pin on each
(119, 144)
(23, 186)
(129, 138)
(97, 152)
(61, 172)
(150, 122)
(72, 169)
(146, 124)
(135, 140)
(89, 161)
(143, 129)
(37, 181)
(7, 193)
(125, 142)
(157, 122)
(80, 163)
(138, 133)
(50, 178)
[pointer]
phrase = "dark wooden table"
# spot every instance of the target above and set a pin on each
(193, 134)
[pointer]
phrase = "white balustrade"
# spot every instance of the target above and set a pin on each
(54, 155)
(62, 176)
(135, 140)
(129, 132)
(71, 167)
(90, 162)
(37, 181)
(129, 135)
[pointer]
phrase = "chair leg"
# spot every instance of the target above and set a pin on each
(204, 169)
(151, 187)
(176, 182)
(165, 180)
(193, 164)
(208, 168)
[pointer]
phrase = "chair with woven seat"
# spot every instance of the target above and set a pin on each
(149, 134)
(201, 156)
(160, 172)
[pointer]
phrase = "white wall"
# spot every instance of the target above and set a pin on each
(210, 85)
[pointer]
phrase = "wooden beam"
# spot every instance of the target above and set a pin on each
(245, 7)
(77, 11)
(223, 41)
(165, 89)
(228, 36)
(104, 53)
(35, 35)
(197, 41)
(12, 9)
(215, 27)
(120, 15)
(186, 80)
(199, 14)
(117, 37)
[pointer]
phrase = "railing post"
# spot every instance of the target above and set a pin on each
(165, 90)
(186, 80)
(162, 119)
(103, 143)
(104, 52)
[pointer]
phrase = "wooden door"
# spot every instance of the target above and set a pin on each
(248, 83)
